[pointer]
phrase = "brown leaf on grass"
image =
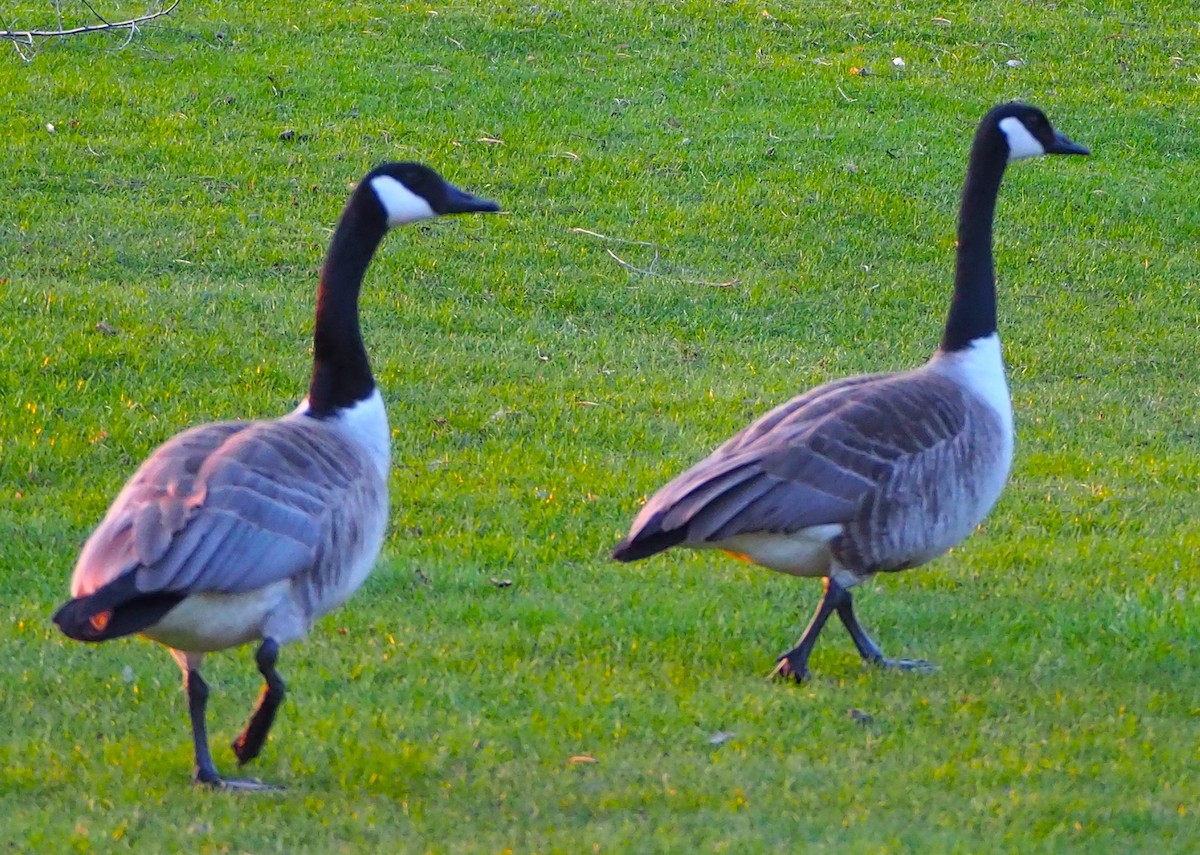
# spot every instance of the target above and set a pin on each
(581, 758)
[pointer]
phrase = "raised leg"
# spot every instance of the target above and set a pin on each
(867, 648)
(248, 745)
(794, 663)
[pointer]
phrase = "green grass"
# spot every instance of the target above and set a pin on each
(160, 249)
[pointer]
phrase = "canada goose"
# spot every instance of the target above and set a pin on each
(237, 531)
(879, 472)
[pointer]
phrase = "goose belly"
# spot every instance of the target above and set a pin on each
(207, 622)
(800, 553)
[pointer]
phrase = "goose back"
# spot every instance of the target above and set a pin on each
(885, 471)
(234, 507)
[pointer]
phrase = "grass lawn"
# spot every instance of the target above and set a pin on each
(789, 192)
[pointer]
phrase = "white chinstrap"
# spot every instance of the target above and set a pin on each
(1021, 143)
(401, 204)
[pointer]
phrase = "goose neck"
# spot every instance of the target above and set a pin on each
(341, 371)
(973, 306)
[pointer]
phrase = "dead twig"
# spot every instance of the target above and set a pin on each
(650, 271)
(644, 272)
(577, 230)
(91, 9)
(26, 37)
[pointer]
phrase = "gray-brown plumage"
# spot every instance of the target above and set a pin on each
(851, 454)
(233, 508)
(874, 473)
(241, 531)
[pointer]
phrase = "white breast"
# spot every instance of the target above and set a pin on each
(367, 424)
(980, 368)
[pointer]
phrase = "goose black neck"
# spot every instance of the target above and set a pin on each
(973, 306)
(341, 372)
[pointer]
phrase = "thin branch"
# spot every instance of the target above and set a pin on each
(645, 272)
(16, 43)
(650, 271)
(92, 9)
(579, 231)
(27, 36)
(133, 31)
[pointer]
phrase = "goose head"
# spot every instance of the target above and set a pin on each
(1028, 133)
(408, 192)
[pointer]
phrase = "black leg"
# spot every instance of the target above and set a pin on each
(197, 697)
(248, 745)
(794, 663)
(206, 771)
(867, 648)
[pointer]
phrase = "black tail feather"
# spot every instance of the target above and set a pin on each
(115, 610)
(647, 542)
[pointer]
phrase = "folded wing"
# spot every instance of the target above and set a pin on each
(226, 508)
(818, 459)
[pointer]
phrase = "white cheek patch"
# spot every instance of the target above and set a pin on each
(1021, 143)
(402, 205)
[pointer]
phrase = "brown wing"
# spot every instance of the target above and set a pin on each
(815, 460)
(227, 507)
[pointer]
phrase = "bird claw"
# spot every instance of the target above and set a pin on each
(784, 669)
(244, 785)
(918, 665)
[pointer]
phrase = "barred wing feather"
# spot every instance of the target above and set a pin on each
(224, 508)
(815, 460)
